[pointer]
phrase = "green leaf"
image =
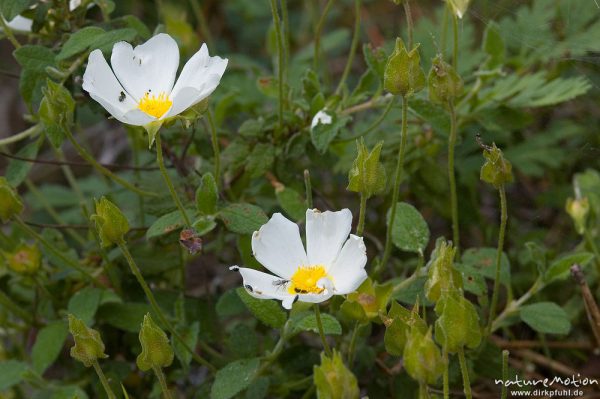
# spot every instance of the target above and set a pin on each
(308, 322)
(265, 310)
(546, 317)
(167, 224)
(409, 229)
(189, 333)
(11, 8)
(483, 260)
(34, 57)
(291, 201)
(559, 269)
(11, 373)
(493, 45)
(207, 195)
(56, 112)
(85, 303)
(260, 160)
(229, 304)
(105, 41)
(234, 378)
(17, 171)
(79, 42)
(48, 345)
(323, 134)
(243, 218)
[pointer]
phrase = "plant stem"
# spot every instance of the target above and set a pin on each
(321, 332)
(201, 19)
(103, 380)
(396, 188)
(318, 32)
(103, 170)
(503, 219)
(465, 373)
(307, 184)
(515, 304)
(409, 23)
(505, 354)
(445, 376)
(55, 251)
(452, 179)
(423, 394)
(285, 20)
(444, 33)
(9, 33)
(353, 46)
(7, 303)
(361, 216)
(277, 24)
(455, 42)
(33, 130)
(352, 348)
(163, 170)
(373, 126)
(215, 144)
(154, 304)
(163, 382)
(590, 242)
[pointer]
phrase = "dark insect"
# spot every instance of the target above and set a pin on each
(121, 97)
(190, 240)
(249, 288)
(280, 283)
(299, 291)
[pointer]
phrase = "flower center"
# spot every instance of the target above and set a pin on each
(155, 105)
(304, 281)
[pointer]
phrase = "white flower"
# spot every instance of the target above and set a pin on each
(333, 263)
(320, 118)
(140, 88)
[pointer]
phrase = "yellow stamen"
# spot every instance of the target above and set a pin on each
(304, 281)
(155, 105)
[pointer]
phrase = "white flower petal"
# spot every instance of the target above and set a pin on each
(198, 79)
(73, 4)
(20, 23)
(148, 68)
(348, 270)
(320, 118)
(102, 85)
(325, 234)
(278, 247)
(262, 285)
(138, 117)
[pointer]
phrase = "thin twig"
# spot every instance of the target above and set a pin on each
(75, 163)
(591, 307)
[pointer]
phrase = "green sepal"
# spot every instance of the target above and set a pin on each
(367, 175)
(156, 348)
(422, 358)
(458, 323)
(88, 344)
(25, 259)
(442, 276)
(333, 379)
(403, 73)
(445, 85)
(579, 210)
(110, 222)
(496, 170)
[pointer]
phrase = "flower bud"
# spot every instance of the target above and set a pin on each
(442, 276)
(458, 323)
(459, 7)
(422, 358)
(112, 225)
(10, 203)
(368, 302)
(367, 175)
(403, 73)
(444, 83)
(88, 344)
(398, 322)
(156, 348)
(25, 259)
(578, 209)
(334, 380)
(496, 170)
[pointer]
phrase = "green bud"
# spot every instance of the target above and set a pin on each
(368, 302)
(10, 203)
(444, 83)
(111, 224)
(442, 276)
(459, 7)
(207, 195)
(56, 112)
(88, 344)
(367, 175)
(156, 348)
(496, 170)
(25, 259)
(398, 323)
(403, 73)
(458, 323)
(334, 380)
(578, 209)
(422, 358)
